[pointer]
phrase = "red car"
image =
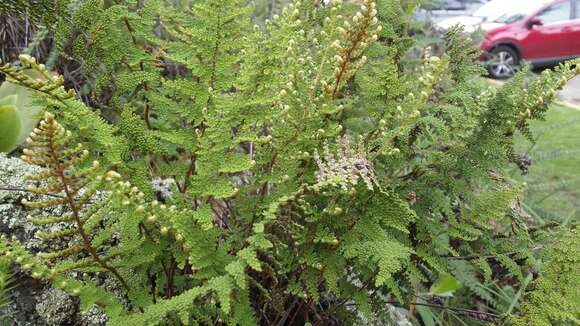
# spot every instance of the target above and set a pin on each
(545, 37)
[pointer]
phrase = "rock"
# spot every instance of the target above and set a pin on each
(55, 307)
(12, 213)
(390, 315)
(13, 223)
(93, 317)
(34, 303)
(163, 188)
(23, 300)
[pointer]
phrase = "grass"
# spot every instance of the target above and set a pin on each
(553, 191)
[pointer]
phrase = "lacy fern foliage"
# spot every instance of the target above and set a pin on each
(277, 174)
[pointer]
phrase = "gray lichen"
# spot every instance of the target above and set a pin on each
(34, 303)
(163, 188)
(55, 307)
(390, 315)
(94, 317)
(12, 213)
(58, 308)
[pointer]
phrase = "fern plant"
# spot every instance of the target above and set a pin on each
(276, 175)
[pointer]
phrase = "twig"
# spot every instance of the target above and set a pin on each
(7, 188)
(282, 319)
(472, 314)
(490, 257)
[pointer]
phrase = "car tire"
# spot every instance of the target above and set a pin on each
(502, 62)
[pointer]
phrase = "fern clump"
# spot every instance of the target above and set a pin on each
(277, 174)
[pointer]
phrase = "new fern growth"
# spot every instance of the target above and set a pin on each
(65, 175)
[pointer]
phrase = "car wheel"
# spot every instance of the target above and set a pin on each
(502, 62)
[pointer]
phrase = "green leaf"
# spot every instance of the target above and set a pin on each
(157, 312)
(28, 113)
(445, 286)
(10, 125)
(426, 315)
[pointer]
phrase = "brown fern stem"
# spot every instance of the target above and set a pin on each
(53, 148)
(348, 56)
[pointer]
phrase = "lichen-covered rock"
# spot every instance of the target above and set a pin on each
(34, 303)
(390, 316)
(55, 307)
(23, 298)
(13, 223)
(12, 213)
(93, 317)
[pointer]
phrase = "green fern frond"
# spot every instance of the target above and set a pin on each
(48, 148)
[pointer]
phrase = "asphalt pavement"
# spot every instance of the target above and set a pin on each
(571, 93)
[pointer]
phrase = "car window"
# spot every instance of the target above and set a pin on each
(521, 12)
(558, 12)
(508, 19)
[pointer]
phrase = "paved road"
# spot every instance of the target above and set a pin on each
(571, 93)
